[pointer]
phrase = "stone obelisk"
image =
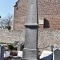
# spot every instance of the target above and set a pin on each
(31, 33)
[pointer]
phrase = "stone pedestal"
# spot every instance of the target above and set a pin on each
(31, 34)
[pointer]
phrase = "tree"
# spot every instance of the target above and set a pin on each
(6, 22)
(2, 23)
(9, 21)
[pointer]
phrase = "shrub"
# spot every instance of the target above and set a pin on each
(10, 47)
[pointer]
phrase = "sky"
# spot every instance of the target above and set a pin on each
(7, 7)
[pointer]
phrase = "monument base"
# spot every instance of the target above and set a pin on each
(29, 54)
(28, 59)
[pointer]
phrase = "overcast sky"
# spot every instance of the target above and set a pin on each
(6, 7)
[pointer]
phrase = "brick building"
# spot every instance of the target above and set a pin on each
(48, 21)
(48, 14)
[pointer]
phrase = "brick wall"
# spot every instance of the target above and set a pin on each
(50, 10)
(46, 37)
(47, 9)
(11, 36)
(20, 15)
